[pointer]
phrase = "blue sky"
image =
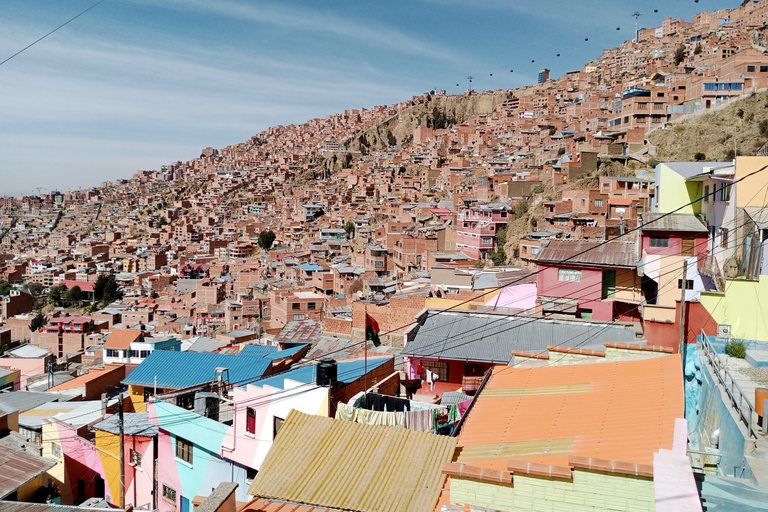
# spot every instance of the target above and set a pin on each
(134, 84)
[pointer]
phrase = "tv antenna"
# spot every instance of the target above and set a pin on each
(470, 83)
(637, 15)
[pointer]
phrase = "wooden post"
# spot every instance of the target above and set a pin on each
(682, 313)
(122, 451)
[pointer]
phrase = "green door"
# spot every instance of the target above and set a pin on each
(609, 284)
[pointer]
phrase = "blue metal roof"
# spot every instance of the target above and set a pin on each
(257, 350)
(346, 372)
(309, 266)
(287, 352)
(176, 370)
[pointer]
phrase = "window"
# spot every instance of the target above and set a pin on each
(250, 421)
(251, 473)
(724, 238)
(598, 203)
(311, 305)
(113, 353)
(764, 69)
(750, 69)
(169, 494)
(277, 424)
(296, 306)
(583, 202)
(438, 367)
(688, 284)
(183, 450)
(706, 194)
(725, 192)
(135, 458)
(569, 274)
(56, 450)
(659, 242)
(487, 239)
(298, 317)
(144, 354)
(534, 250)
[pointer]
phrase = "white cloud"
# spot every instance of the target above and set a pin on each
(303, 19)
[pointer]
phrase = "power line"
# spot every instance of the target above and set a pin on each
(52, 31)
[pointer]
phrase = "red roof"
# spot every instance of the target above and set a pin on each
(73, 319)
(84, 285)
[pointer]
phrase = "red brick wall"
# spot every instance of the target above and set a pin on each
(332, 326)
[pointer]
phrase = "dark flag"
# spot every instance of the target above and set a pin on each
(372, 330)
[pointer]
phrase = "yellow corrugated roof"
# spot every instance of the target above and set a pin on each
(332, 463)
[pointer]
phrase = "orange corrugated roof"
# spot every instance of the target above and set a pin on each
(122, 338)
(92, 374)
(623, 411)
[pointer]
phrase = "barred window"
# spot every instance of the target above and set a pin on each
(569, 274)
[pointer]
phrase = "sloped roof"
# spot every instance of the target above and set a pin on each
(134, 424)
(467, 336)
(621, 411)
(19, 467)
(653, 221)
(122, 338)
(585, 252)
(316, 461)
(176, 370)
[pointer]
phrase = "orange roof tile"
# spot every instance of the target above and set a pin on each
(122, 338)
(617, 411)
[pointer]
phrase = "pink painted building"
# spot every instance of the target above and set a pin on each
(591, 280)
(477, 226)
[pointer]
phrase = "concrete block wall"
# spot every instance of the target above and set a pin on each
(589, 491)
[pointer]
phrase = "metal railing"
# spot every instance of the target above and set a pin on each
(738, 399)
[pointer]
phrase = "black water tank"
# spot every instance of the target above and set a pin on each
(326, 372)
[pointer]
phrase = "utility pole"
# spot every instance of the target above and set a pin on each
(122, 450)
(637, 14)
(470, 84)
(682, 312)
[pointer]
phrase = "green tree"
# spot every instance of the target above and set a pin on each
(679, 55)
(499, 256)
(74, 295)
(162, 222)
(391, 139)
(55, 295)
(652, 162)
(698, 50)
(349, 227)
(699, 157)
(38, 322)
(105, 288)
(5, 288)
(266, 239)
(35, 288)
(538, 189)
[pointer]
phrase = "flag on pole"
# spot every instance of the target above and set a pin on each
(372, 330)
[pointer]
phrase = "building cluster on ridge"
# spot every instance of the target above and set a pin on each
(545, 344)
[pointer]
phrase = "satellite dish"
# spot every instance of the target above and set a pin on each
(731, 268)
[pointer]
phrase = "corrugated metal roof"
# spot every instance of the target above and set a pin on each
(18, 467)
(25, 400)
(205, 344)
(672, 222)
(621, 411)
(258, 350)
(346, 372)
(320, 461)
(307, 331)
(585, 252)
(134, 424)
(465, 336)
(176, 370)
(20, 506)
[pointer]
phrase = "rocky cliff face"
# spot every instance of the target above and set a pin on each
(460, 108)
(712, 134)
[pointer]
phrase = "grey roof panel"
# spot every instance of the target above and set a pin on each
(134, 424)
(585, 252)
(653, 221)
(464, 336)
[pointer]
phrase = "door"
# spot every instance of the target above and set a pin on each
(609, 284)
(80, 491)
(687, 247)
(185, 505)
